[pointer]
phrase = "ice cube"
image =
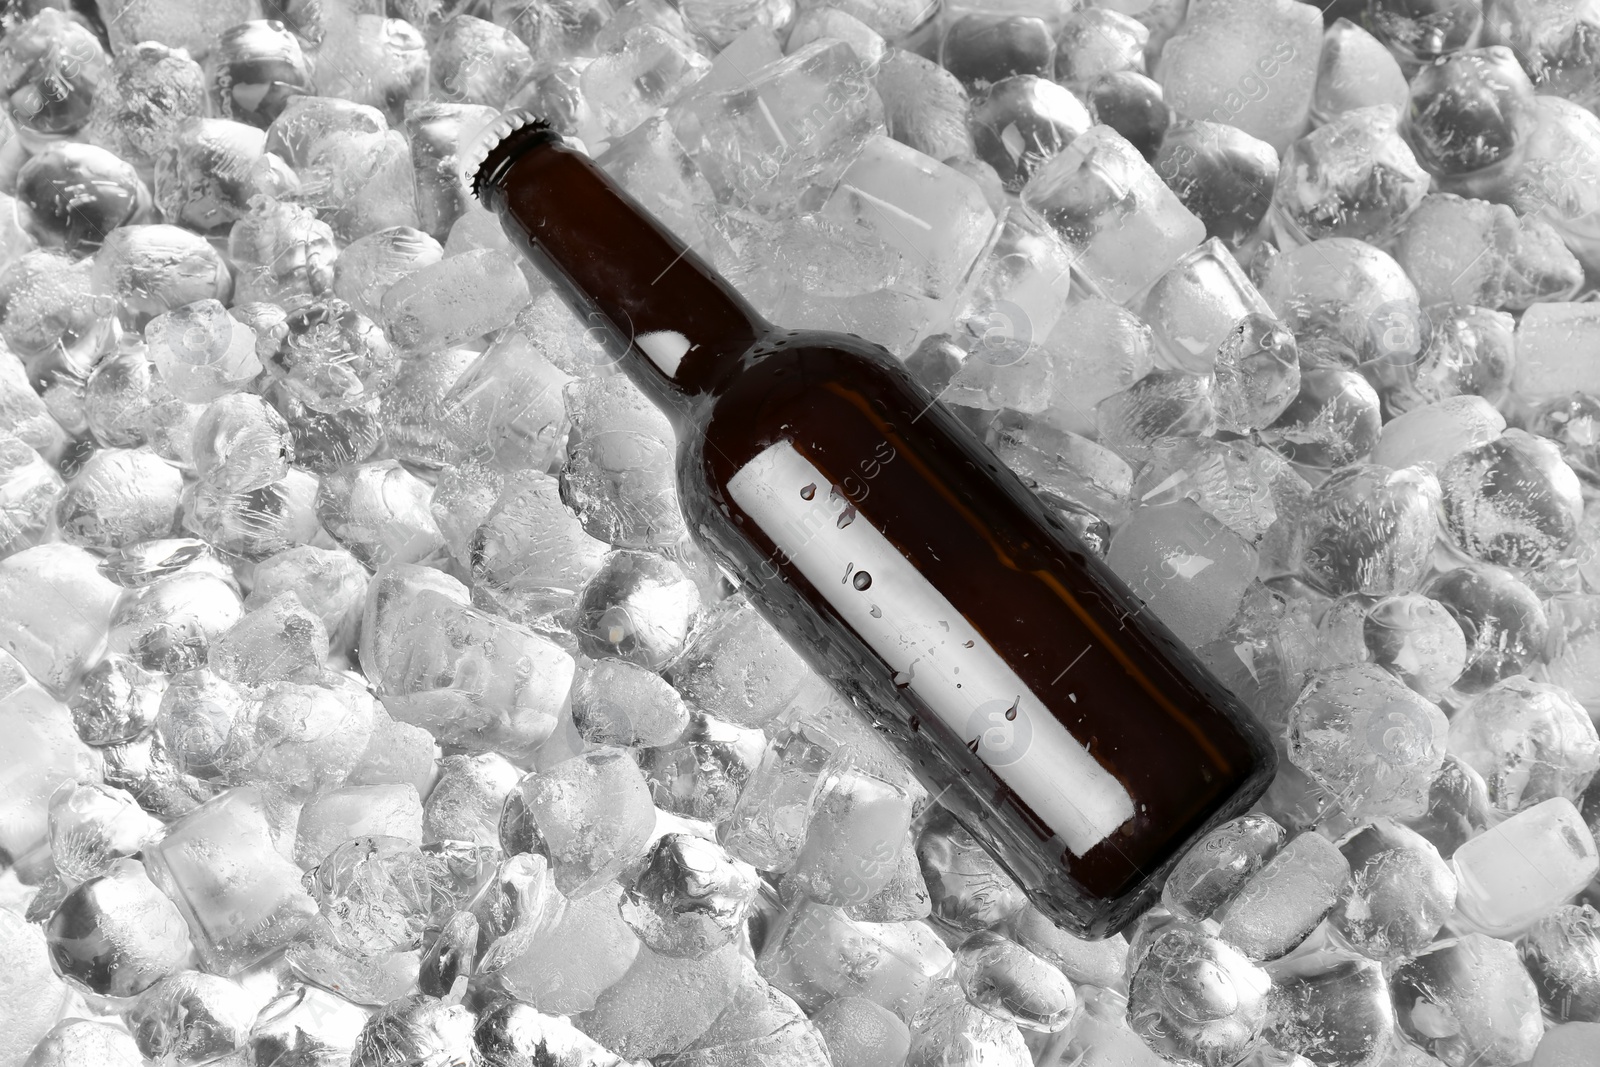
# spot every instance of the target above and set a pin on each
(465, 803)
(330, 819)
(1011, 983)
(1126, 227)
(563, 967)
(1195, 1000)
(796, 125)
(76, 1041)
(331, 583)
(1468, 1000)
(1368, 739)
(690, 898)
(305, 1027)
(1161, 404)
(651, 165)
(61, 609)
(1400, 892)
(1218, 866)
(817, 953)
(1249, 65)
(454, 300)
(1550, 339)
(1221, 174)
(1512, 501)
(932, 215)
(475, 61)
(34, 995)
(241, 443)
(738, 667)
(859, 1033)
(93, 826)
(590, 815)
(970, 890)
(1185, 566)
(1279, 905)
(1529, 740)
(492, 685)
(413, 1029)
(1336, 1013)
(1473, 252)
(283, 253)
(649, 70)
(1561, 952)
(512, 1033)
(858, 825)
(1350, 290)
(1371, 530)
(637, 607)
(381, 62)
(1194, 306)
(1355, 71)
(1431, 435)
(1233, 481)
(191, 1018)
(300, 738)
(530, 556)
(381, 512)
(368, 266)
(1522, 869)
(701, 773)
(412, 405)
(1354, 177)
(116, 935)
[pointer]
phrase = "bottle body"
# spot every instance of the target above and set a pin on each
(1070, 732)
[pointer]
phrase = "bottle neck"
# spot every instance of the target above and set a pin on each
(674, 323)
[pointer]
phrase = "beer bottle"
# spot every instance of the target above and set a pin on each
(1066, 728)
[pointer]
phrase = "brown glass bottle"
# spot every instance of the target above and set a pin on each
(1067, 728)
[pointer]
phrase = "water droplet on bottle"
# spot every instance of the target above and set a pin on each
(848, 568)
(847, 516)
(862, 580)
(807, 492)
(876, 612)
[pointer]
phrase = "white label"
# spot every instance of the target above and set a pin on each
(930, 646)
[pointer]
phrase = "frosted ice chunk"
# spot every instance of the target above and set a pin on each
(201, 351)
(1552, 340)
(1354, 177)
(1468, 1000)
(619, 475)
(932, 215)
(454, 300)
(465, 803)
(738, 667)
(1399, 893)
(1249, 65)
(590, 815)
(1512, 501)
(531, 555)
(689, 898)
(1523, 868)
(381, 512)
(650, 70)
(1431, 435)
(1355, 71)
(1010, 983)
(330, 819)
(1186, 566)
(1368, 740)
(116, 935)
(1369, 529)
(59, 610)
(1195, 305)
(120, 497)
(1194, 999)
(858, 825)
(1125, 226)
(491, 685)
(1473, 252)
(795, 125)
